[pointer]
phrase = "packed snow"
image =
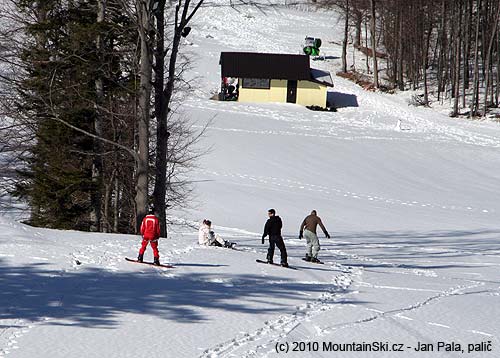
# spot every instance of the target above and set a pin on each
(409, 196)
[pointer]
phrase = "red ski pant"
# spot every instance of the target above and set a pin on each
(154, 246)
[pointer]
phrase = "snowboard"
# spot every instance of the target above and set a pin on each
(149, 263)
(232, 247)
(321, 262)
(265, 262)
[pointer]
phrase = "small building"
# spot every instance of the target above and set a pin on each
(269, 77)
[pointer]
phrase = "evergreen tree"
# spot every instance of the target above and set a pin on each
(59, 91)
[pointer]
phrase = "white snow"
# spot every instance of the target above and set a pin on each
(414, 218)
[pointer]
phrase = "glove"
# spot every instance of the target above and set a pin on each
(301, 235)
(262, 239)
(327, 235)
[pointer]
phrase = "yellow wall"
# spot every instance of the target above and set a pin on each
(308, 93)
(277, 93)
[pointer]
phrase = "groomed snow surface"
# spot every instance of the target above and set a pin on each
(413, 211)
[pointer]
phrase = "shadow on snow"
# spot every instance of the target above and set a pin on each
(92, 297)
(392, 247)
(342, 100)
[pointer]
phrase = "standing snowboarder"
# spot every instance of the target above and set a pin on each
(310, 224)
(150, 231)
(273, 229)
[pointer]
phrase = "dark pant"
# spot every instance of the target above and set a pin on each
(276, 241)
(216, 243)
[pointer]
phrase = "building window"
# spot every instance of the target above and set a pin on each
(261, 83)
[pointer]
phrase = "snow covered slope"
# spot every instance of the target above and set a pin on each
(414, 218)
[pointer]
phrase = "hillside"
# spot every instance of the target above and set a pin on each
(413, 213)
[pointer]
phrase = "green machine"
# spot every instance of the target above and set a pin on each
(311, 46)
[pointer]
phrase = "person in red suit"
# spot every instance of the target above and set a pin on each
(150, 231)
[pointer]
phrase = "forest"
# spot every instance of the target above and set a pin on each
(91, 134)
(445, 48)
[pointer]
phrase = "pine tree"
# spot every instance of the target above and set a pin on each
(63, 62)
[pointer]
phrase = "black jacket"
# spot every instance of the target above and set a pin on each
(273, 227)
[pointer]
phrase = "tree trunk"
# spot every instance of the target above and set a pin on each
(145, 72)
(359, 28)
(466, 50)
(161, 113)
(425, 65)
(346, 35)
(374, 43)
(475, 89)
(116, 209)
(456, 81)
(400, 73)
(442, 50)
(108, 192)
(493, 34)
(497, 87)
(162, 107)
(96, 196)
(367, 58)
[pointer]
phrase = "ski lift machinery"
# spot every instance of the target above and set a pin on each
(311, 47)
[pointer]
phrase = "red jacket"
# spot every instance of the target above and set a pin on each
(150, 227)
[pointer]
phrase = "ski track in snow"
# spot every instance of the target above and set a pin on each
(15, 330)
(90, 255)
(108, 255)
(454, 291)
(355, 123)
(373, 119)
(295, 185)
(277, 329)
(263, 339)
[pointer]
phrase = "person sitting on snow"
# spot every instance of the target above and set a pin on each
(206, 236)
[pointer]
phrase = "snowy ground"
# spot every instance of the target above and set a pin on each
(414, 218)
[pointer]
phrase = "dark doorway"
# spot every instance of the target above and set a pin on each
(291, 91)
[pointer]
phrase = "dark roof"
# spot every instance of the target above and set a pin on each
(321, 77)
(265, 65)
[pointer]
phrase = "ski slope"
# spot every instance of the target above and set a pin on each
(413, 213)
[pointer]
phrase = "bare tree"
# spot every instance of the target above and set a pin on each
(95, 214)
(492, 33)
(144, 17)
(163, 97)
(346, 37)
(374, 42)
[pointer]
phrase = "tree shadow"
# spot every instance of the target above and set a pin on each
(96, 298)
(480, 240)
(448, 249)
(199, 265)
(342, 100)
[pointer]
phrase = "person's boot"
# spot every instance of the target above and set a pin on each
(269, 261)
(139, 258)
(307, 258)
(156, 261)
(315, 260)
(284, 264)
